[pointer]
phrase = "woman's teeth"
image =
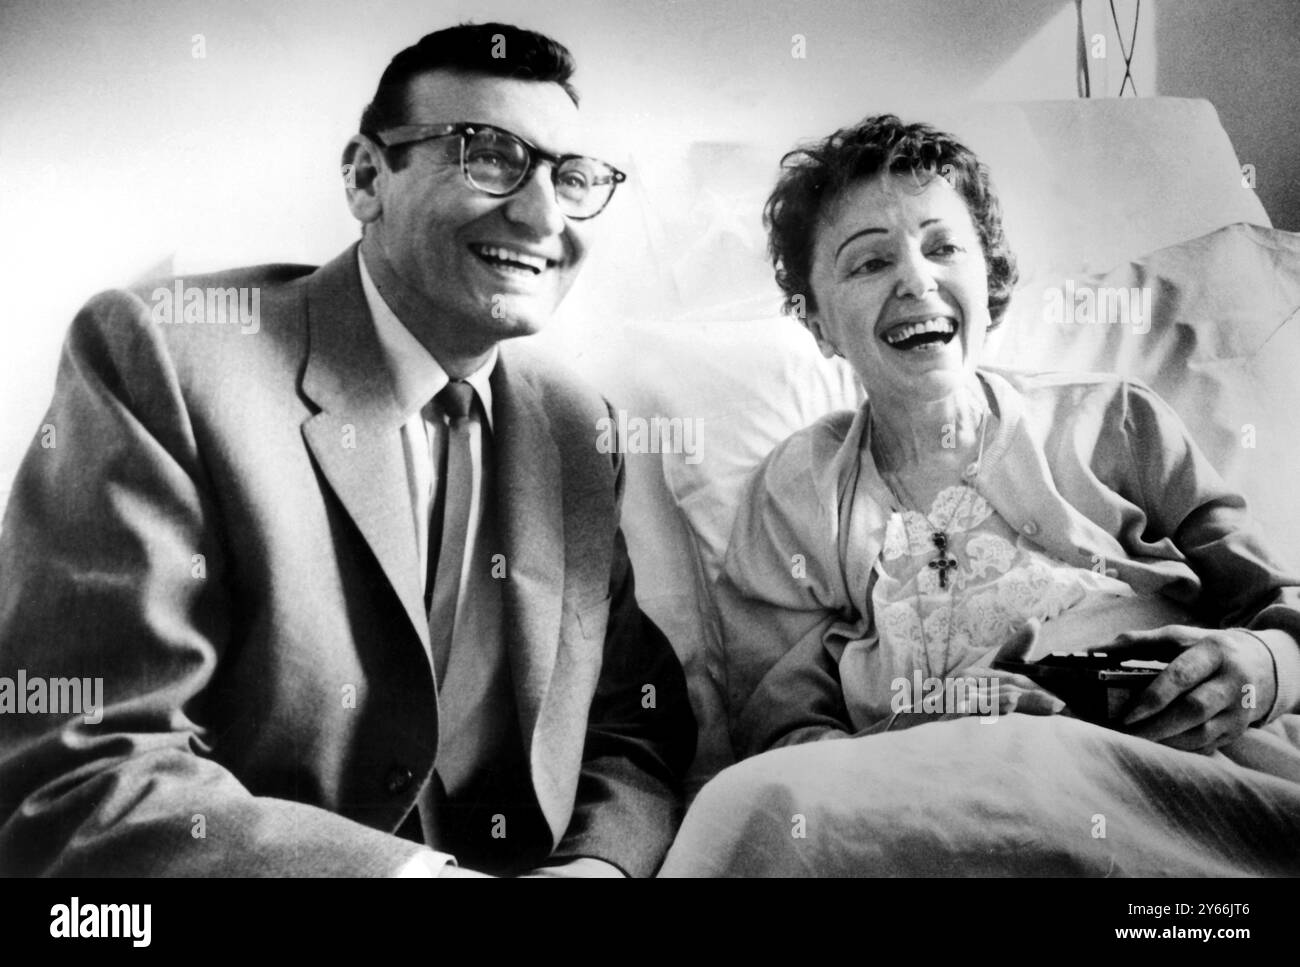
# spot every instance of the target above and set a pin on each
(913, 334)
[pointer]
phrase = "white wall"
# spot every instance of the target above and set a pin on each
(1241, 55)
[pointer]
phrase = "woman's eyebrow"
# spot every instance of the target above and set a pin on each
(858, 234)
(879, 231)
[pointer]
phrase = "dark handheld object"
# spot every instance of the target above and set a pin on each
(1096, 687)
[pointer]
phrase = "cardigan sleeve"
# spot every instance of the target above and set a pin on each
(780, 596)
(1242, 583)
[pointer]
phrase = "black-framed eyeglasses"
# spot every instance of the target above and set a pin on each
(498, 162)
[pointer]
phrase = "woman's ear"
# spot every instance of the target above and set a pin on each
(362, 170)
(828, 349)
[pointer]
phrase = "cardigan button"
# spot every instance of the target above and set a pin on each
(1030, 528)
(398, 780)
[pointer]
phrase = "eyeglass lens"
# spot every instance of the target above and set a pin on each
(497, 162)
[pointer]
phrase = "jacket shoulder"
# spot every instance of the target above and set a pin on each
(200, 300)
(270, 274)
(213, 337)
(564, 394)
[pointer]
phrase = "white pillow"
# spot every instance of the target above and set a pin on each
(751, 384)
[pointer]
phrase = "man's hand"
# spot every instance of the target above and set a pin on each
(1217, 683)
(583, 866)
(461, 872)
(426, 864)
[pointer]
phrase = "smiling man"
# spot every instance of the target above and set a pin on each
(354, 581)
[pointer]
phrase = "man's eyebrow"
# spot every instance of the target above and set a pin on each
(877, 231)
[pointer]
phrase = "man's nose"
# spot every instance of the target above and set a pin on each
(535, 206)
(915, 276)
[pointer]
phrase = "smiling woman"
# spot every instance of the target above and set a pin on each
(905, 264)
(956, 520)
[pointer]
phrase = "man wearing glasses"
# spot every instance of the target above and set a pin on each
(355, 583)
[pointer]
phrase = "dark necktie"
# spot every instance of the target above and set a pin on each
(448, 530)
(449, 522)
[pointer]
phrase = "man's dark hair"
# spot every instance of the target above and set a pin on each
(494, 49)
(814, 175)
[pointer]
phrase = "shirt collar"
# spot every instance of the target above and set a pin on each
(417, 376)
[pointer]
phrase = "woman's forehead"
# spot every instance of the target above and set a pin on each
(891, 201)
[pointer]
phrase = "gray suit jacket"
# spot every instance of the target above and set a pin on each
(222, 532)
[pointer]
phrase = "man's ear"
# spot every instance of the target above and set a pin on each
(362, 170)
(814, 324)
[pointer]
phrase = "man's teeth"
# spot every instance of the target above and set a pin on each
(939, 324)
(496, 253)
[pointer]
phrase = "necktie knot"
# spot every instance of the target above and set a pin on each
(456, 399)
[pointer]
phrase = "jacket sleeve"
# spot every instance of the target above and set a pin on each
(1242, 583)
(109, 525)
(783, 606)
(641, 736)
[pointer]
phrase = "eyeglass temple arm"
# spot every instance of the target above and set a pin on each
(410, 133)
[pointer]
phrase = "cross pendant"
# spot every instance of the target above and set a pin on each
(943, 563)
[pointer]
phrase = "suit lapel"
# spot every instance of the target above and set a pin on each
(356, 440)
(531, 516)
(356, 436)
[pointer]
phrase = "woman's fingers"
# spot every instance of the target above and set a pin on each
(1212, 735)
(1015, 683)
(987, 690)
(1187, 713)
(1037, 702)
(1211, 691)
(1179, 681)
(1200, 702)
(1159, 644)
(1020, 644)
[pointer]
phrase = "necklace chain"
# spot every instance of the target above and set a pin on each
(939, 536)
(897, 490)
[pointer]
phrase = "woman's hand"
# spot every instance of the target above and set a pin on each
(1008, 691)
(980, 689)
(1018, 693)
(974, 690)
(1218, 682)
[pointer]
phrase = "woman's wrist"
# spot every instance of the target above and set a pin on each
(1285, 691)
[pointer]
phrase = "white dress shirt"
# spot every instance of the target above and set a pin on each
(417, 378)
(471, 711)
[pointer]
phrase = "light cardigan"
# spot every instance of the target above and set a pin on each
(1090, 467)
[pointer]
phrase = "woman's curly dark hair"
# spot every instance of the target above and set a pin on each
(815, 174)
